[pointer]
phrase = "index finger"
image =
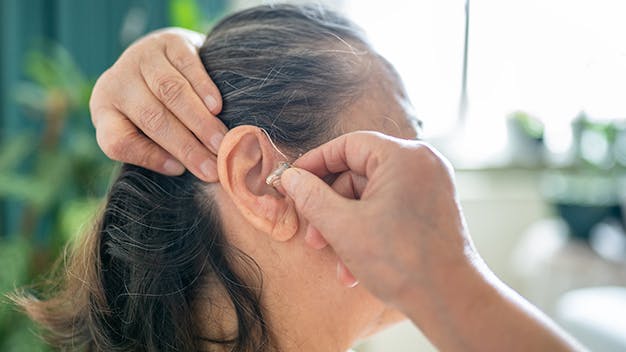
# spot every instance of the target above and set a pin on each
(359, 152)
(183, 55)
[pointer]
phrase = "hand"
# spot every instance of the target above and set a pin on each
(348, 185)
(156, 106)
(405, 226)
(403, 235)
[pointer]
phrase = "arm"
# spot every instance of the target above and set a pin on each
(156, 106)
(469, 309)
(407, 242)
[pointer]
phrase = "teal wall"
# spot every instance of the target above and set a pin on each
(91, 30)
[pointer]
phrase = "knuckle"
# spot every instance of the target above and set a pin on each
(143, 154)
(170, 88)
(151, 41)
(112, 147)
(427, 154)
(95, 112)
(166, 36)
(307, 200)
(187, 150)
(183, 62)
(136, 150)
(153, 120)
(98, 90)
(434, 160)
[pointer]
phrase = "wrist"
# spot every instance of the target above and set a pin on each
(443, 305)
(448, 277)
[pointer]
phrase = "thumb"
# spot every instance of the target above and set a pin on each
(316, 201)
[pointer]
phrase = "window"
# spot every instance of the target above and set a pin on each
(552, 59)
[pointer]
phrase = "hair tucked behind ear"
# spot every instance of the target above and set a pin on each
(135, 282)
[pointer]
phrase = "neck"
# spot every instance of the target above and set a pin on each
(300, 322)
(297, 320)
(307, 320)
(307, 310)
(305, 306)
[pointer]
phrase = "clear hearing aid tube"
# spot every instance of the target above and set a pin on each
(273, 179)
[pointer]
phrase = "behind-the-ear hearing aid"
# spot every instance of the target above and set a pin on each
(273, 179)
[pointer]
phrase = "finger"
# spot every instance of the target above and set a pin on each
(158, 123)
(183, 55)
(316, 201)
(314, 238)
(359, 152)
(176, 93)
(348, 185)
(120, 140)
(344, 275)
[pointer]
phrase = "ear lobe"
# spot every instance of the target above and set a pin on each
(245, 158)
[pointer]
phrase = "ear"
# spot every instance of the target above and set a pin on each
(245, 158)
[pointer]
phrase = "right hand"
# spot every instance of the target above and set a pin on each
(156, 106)
(401, 232)
(407, 225)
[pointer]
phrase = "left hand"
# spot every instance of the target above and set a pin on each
(156, 106)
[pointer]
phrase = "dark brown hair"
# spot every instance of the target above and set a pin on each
(134, 283)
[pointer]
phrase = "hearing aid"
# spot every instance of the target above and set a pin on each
(273, 179)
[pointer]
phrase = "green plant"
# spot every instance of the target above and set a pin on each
(52, 175)
(531, 126)
(197, 15)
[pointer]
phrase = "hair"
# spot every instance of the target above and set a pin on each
(136, 280)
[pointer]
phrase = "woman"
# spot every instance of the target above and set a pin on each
(176, 264)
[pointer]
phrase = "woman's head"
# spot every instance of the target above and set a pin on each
(289, 70)
(176, 264)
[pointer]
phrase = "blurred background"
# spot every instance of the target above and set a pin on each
(527, 99)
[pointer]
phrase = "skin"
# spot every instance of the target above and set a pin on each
(308, 309)
(406, 240)
(156, 106)
(424, 265)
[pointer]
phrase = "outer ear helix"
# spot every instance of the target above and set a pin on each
(265, 210)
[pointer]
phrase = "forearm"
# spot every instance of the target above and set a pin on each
(469, 309)
(424, 264)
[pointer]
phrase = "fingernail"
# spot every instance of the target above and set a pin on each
(173, 167)
(209, 168)
(215, 141)
(210, 102)
(345, 276)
